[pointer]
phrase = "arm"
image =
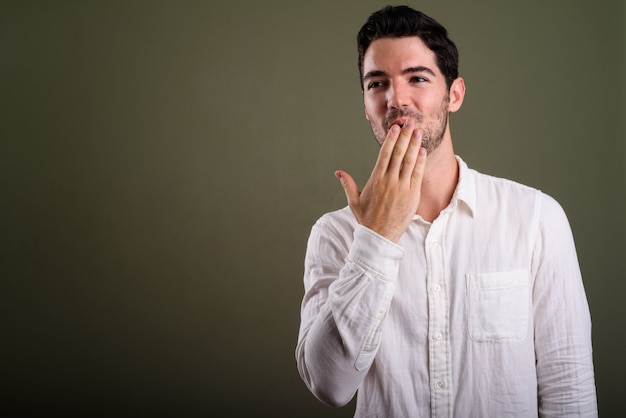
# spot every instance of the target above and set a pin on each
(346, 299)
(349, 283)
(563, 349)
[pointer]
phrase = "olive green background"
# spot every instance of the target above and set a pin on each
(162, 162)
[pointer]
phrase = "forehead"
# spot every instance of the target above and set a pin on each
(396, 54)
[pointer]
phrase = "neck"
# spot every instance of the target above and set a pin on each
(439, 182)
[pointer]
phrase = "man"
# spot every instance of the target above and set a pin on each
(439, 291)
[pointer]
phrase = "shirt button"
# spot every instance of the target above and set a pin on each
(440, 384)
(437, 288)
(434, 243)
(438, 336)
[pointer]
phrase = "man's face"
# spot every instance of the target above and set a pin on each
(401, 80)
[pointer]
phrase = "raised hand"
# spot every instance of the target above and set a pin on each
(392, 194)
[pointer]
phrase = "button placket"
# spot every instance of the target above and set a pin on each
(438, 319)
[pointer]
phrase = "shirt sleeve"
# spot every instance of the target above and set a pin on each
(566, 384)
(348, 290)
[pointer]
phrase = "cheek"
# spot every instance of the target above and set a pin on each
(373, 109)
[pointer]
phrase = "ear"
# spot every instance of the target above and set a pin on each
(457, 93)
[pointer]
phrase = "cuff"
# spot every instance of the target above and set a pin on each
(375, 252)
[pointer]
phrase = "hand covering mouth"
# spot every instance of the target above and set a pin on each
(400, 117)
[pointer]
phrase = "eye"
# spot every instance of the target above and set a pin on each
(375, 84)
(418, 79)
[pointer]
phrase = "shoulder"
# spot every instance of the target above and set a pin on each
(499, 196)
(513, 197)
(332, 235)
(340, 223)
(341, 216)
(503, 185)
(544, 203)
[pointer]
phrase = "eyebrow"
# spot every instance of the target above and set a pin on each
(410, 70)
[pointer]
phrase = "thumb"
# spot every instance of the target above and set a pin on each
(349, 187)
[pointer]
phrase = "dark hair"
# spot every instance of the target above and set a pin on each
(402, 21)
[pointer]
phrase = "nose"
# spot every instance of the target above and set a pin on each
(398, 95)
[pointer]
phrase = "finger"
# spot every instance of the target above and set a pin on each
(420, 167)
(386, 151)
(402, 144)
(411, 155)
(349, 187)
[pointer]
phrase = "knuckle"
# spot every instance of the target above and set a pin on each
(398, 152)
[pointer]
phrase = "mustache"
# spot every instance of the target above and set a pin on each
(394, 114)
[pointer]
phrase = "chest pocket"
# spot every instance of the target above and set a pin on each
(498, 306)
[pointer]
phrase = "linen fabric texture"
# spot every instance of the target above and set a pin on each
(481, 313)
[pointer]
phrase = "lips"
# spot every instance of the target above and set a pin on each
(400, 122)
(400, 117)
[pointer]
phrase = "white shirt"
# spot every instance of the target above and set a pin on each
(480, 314)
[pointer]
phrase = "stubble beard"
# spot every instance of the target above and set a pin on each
(432, 132)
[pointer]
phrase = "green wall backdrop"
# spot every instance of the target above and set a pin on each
(162, 162)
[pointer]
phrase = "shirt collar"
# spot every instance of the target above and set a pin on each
(465, 191)
(466, 187)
